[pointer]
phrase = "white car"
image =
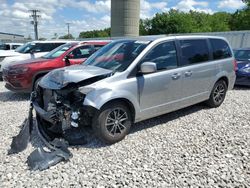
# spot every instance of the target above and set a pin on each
(9, 46)
(27, 51)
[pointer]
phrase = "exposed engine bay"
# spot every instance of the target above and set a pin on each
(60, 113)
(60, 116)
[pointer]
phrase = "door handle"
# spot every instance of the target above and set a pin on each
(176, 76)
(188, 73)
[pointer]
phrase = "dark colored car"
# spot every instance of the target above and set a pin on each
(242, 57)
(23, 76)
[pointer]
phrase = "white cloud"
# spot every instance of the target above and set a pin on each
(20, 14)
(187, 5)
(106, 19)
(231, 4)
(96, 7)
(147, 8)
(15, 17)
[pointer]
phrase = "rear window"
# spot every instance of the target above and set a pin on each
(220, 49)
(194, 51)
(242, 55)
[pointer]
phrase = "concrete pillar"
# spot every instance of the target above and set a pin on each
(125, 16)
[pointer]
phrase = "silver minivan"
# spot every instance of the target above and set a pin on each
(131, 80)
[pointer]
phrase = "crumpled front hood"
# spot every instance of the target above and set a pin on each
(60, 78)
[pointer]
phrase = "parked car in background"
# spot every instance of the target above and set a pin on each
(10, 46)
(29, 50)
(242, 56)
(132, 80)
(23, 76)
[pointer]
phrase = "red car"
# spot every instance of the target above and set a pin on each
(23, 76)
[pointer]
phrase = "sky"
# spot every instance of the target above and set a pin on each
(85, 15)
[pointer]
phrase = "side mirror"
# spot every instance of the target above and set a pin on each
(32, 51)
(66, 59)
(148, 67)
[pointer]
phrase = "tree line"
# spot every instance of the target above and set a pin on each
(175, 21)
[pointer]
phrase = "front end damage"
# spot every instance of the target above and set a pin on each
(61, 114)
(60, 119)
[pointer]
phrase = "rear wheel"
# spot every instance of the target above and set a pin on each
(112, 123)
(218, 94)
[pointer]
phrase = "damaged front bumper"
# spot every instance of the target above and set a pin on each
(60, 119)
(61, 114)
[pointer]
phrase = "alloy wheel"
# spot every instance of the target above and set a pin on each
(219, 93)
(116, 121)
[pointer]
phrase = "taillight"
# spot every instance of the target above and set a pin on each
(235, 65)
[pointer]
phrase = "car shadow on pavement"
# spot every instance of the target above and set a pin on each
(94, 143)
(165, 118)
(7, 96)
(241, 88)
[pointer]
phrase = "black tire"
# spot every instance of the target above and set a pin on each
(35, 85)
(104, 122)
(218, 94)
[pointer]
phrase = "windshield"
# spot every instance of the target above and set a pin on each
(117, 56)
(243, 55)
(26, 47)
(58, 51)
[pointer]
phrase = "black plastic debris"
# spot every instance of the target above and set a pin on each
(20, 142)
(74, 136)
(40, 159)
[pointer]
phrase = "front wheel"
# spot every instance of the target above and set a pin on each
(112, 123)
(35, 85)
(218, 94)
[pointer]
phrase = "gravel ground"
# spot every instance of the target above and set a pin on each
(196, 146)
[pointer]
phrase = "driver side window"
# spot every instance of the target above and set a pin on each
(163, 55)
(81, 52)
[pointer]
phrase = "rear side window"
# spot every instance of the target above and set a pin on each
(194, 51)
(220, 49)
(46, 47)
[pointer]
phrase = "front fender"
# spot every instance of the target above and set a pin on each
(98, 98)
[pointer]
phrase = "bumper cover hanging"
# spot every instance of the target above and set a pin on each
(39, 159)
